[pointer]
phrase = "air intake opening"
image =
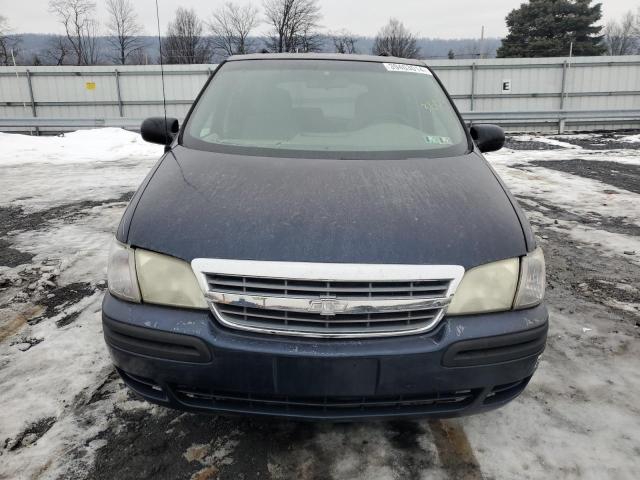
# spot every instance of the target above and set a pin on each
(155, 343)
(498, 349)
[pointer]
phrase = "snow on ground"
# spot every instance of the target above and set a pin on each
(547, 141)
(65, 414)
(568, 151)
(584, 197)
(40, 172)
(87, 172)
(631, 138)
(83, 146)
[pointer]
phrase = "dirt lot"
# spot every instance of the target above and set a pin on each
(67, 415)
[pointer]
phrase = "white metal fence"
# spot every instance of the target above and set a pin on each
(583, 93)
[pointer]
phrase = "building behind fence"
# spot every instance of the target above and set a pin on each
(541, 94)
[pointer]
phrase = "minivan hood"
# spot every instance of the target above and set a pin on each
(415, 211)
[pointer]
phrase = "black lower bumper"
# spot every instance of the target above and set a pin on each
(184, 359)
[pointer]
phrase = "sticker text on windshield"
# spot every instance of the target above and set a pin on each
(400, 67)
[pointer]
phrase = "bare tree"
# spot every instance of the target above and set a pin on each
(473, 49)
(621, 38)
(90, 36)
(394, 39)
(294, 25)
(9, 43)
(139, 56)
(309, 40)
(344, 42)
(230, 28)
(76, 16)
(123, 30)
(184, 42)
(58, 50)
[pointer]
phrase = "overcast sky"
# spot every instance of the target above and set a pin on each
(428, 18)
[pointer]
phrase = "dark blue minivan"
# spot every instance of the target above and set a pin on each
(323, 239)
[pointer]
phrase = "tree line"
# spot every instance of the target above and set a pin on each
(536, 28)
(293, 26)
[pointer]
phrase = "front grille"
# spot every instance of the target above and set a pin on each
(332, 405)
(317, 288)
(314, 323)
(327, 300)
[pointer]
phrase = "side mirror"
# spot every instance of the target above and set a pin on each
(488, 138)
(155, 130)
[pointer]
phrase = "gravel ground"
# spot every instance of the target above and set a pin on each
(67, 415)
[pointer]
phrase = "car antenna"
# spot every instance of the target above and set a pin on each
(164, 99)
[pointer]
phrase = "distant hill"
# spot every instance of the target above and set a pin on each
(33, 48)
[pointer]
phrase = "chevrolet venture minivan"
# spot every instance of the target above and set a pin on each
(323, 239)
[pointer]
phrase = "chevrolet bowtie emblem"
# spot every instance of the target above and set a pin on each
(327, 306)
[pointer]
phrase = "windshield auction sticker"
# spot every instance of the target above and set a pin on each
(437, 140)
(401, 67)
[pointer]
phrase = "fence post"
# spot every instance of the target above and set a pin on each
(563, 90)
(34, 112)
(473, 84)
(120, 105)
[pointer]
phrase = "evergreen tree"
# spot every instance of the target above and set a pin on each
(546, 28)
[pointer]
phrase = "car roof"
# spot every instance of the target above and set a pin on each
(325, 56)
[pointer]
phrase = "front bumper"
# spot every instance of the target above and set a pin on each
(186, 360)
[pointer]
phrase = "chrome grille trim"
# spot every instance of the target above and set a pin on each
(339, 325)
(327, 300)
(338, 319)
(315, 288)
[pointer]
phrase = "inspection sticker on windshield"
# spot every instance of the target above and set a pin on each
(401, 67)
(434, 139)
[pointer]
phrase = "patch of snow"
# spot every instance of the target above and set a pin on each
(546, 140)
(43, 381)
(80, 246)
(629, 307)
(96, 145)
(507, 156)
(608, 243)
(44, 172)
(562, 430)
(576, 194)
(630, 138)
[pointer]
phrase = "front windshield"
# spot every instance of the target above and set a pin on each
(326, 108)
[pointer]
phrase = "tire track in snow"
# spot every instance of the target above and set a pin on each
(454, 450)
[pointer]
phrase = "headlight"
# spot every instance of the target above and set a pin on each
(487, 288)
(532, 280)
(121, 273)
(167, 281)
(499, 286)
